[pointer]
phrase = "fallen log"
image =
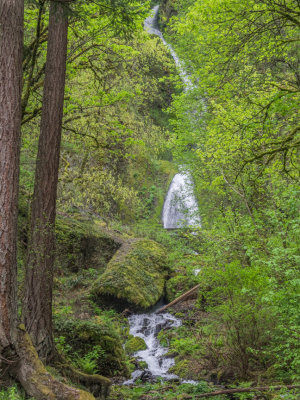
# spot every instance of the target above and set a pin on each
(242, 390)
(180, 298)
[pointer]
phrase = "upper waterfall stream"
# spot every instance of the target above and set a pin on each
(151, 27)
(180, 209)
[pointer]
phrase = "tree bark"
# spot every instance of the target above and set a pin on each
(18, 357)
(11, 45)
(36, 380)
(40, 259)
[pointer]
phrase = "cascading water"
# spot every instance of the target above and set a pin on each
(180, 209)
(150, 26)
(147, 326)
(180, 206)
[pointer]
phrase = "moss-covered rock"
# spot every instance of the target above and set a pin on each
(83, 336)
(135, 275)
(81, 244)
(134, 344)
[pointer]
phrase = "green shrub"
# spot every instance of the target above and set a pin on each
(13, 393)
(91, 345)
(89, 362)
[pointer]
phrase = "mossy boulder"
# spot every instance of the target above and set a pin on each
(134, 344)
(82, 244)
(135, 276)
(83, 336)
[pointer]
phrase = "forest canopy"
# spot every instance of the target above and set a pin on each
(95, 121)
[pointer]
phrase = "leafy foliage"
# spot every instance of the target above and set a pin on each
(92, 345)
(237, 130)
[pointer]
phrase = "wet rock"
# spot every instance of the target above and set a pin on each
(164, 325)
(126, 312)
(174, 380)
(147, 377)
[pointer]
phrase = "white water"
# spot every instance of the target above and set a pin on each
(150, 26)
(180, 206)
(180, 209)
(147, 326)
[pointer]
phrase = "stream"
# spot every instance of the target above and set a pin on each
(147, 326)
(151, 27)
(180, 209)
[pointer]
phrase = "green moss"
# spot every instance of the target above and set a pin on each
(178, 285)
(135, 344)
(182, 369)
(135, 275)
(81, 244)
(142, 365)
(82, 337)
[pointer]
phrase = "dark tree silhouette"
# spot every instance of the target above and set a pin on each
(11, 44)
(39, 274)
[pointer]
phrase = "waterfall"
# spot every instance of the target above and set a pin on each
(180, 210)
(150, 26)
(180, 206)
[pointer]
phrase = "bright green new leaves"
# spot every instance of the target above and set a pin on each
(244, 56)
(243, 150)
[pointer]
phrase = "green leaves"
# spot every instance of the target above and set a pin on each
(243, 152)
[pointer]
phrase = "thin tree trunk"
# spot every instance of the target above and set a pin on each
(40, 261)
(11, 45)
(179, 299)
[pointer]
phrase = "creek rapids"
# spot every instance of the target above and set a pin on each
(180, 210)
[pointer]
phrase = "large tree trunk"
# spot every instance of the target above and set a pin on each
(18, 357)
(11, 44)
(39, 274)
